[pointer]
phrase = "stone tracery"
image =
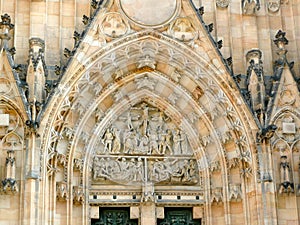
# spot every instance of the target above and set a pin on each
(99, 109)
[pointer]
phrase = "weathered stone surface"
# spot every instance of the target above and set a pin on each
(149, 117)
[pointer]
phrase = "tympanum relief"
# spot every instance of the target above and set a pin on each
(144, 145)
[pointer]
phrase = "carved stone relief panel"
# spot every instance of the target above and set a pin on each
(144, 144)
(182, 29)
(143, 169)
(5, 85)
(114, 25)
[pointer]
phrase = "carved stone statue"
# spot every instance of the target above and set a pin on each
(166, 143)
(177, 139)
(9, 184)
(108, 141)
(286, 186)
(130, 141)
(153, 145)
(117, 141)
(186, 173)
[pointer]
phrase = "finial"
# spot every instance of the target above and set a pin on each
(254, 56)
(5, 27)
(280, 40)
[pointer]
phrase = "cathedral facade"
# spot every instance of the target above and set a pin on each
(150, 112)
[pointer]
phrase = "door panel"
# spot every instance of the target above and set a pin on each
(179, 216)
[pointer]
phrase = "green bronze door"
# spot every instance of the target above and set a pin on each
(179, 216)
(114, 216)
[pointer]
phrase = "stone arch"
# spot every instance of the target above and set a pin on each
(181, 74)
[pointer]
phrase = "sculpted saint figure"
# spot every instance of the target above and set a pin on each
(130, 141)
(284, 170)
(166, 143)
(286, 184)
(117, 141)
(153, 146)
(177, 139)
(108, 140)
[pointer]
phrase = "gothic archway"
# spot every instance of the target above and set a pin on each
(147, 70)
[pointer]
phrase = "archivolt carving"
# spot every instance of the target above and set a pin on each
(215, 166)
(78, 195)
(235, 192)
(216, 195)
(136, 126)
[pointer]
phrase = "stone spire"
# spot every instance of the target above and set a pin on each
(256, 84)
(36, 78)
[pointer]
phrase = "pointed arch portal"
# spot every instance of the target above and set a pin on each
(146, 122)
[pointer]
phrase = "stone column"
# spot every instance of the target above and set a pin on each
(147, 208)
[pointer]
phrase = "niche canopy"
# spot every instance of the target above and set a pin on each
(150, 13)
